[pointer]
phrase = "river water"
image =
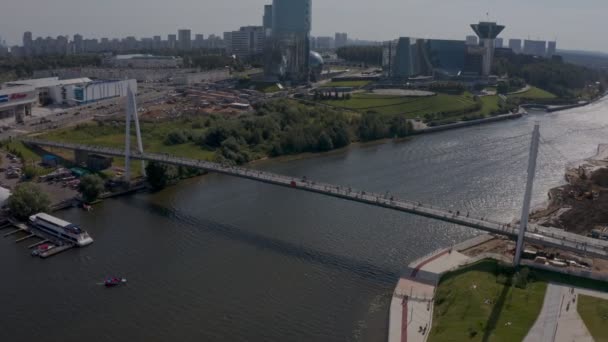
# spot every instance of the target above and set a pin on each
(222, 259)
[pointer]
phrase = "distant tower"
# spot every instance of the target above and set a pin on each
(132, 114)
(487, 33)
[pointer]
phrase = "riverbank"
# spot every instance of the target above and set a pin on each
(460, 286)
(578, 205)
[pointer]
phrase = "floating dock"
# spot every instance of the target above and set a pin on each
(55, 250)
(38, 243)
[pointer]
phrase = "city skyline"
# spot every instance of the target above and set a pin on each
(559, 22)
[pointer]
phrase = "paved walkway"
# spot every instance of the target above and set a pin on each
(411, 310)
(559, 320)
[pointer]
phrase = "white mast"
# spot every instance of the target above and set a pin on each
(525, 213)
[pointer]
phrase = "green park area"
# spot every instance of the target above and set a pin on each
(594, 312)
(352, 84)
(440, 109)
(278, 127)
(154, 137)
(533, 93)
(486, 302)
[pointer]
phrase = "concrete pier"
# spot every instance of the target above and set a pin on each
(13, 232)
(25, 238)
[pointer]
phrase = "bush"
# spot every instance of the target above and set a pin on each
(90, 187)
(176, 138)
(28, 199)
(157, 175)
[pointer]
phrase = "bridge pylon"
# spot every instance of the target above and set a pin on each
(525, 213)
(132, 115)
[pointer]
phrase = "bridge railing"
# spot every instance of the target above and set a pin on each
(386, 199)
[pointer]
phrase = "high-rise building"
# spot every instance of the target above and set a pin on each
(551, 48)
(407, 57)
(246, 42)
(498, 43)
(487, 33)
(289, 51)
(27, 39)
(515, 45)
(324, 43)
(267, 22)
(199, 41)
(184, 39)
(535, 47)
(472, 40)
(172, 41)
(341, 40)
(158, 42)
(78, 45)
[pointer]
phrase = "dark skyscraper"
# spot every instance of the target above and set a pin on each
(184, 39)
(290, 47)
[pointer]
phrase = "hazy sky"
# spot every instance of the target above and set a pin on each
(575, 24)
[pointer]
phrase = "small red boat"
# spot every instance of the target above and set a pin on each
(111, 282)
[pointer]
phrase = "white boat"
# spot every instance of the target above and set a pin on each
(61, 229)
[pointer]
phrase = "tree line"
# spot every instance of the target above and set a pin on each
(371, 55)
(12, 68)
(554, 75)
(284, 127)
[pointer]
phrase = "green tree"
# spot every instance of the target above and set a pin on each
(372, 127)
(400, 127)
(90, 187)
(502, 88)
(158, 175)
(28, 199)
(176, 138)
(325, 143)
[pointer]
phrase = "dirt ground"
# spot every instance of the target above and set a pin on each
(580, 206)
(506, 247)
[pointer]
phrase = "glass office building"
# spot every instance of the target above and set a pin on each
(446, 56)
(408, 57)
(289, 49)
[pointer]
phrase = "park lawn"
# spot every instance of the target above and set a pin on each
(594, 312)
(353, 84)
(461, 312)
(153, 136)
(267, 88)
(410, 107)
(534, 93)
(29, 157)
(490, 104)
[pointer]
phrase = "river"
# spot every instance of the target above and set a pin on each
(222, 259)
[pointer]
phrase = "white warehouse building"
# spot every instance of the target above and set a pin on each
(138, 61)
(74, 92)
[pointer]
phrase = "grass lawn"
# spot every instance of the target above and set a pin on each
(490, 104)
(470, 305)
(534, 93)
(153, 136)
(268, 88)
(354, 84)
(411, 107)
(594, 312)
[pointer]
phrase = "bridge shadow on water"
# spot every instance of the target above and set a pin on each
(362, 269)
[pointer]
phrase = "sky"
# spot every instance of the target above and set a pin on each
(574, 24)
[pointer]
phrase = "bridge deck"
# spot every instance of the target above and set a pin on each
(539, 235)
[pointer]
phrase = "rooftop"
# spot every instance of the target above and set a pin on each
(487, 30)
(16, 89)
(48, 82)
(141, 56)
